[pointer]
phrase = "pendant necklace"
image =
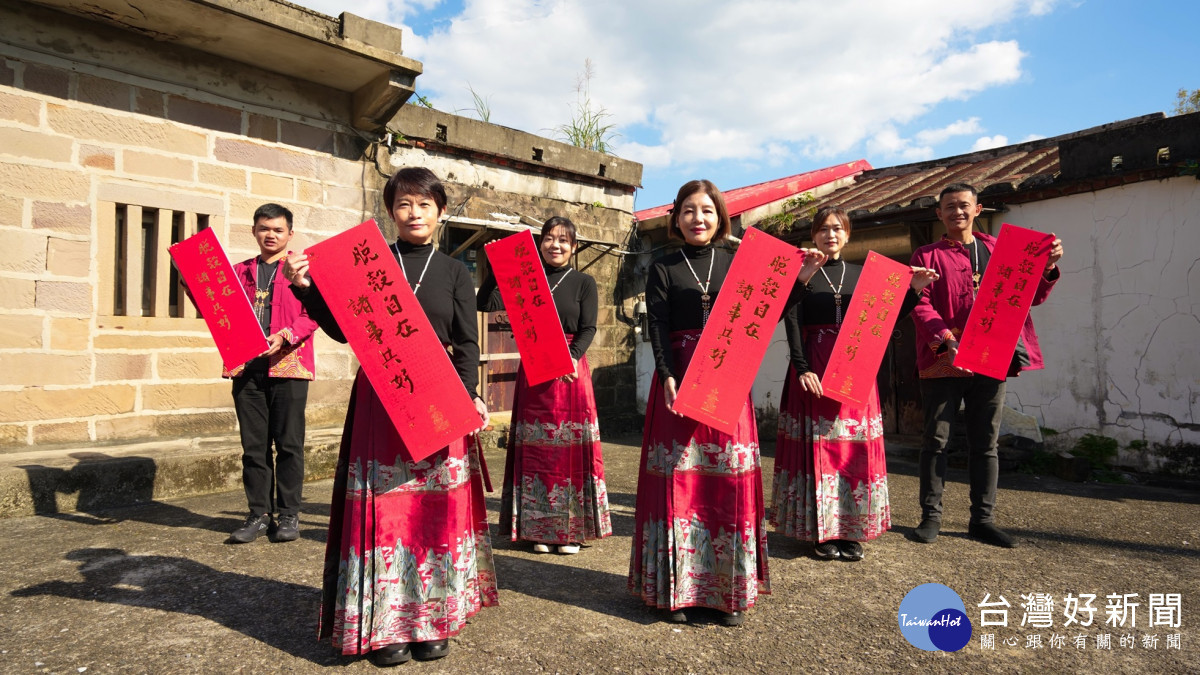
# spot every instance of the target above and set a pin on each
(837, 293)
(976, 276)
(262, 294)
(560, 280)
(425, 269)
(705, 299)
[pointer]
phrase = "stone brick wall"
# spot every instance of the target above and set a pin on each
(71, 141)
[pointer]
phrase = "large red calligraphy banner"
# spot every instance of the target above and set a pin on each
(400, 354)
(739, 331)
(1005, 296)
(863, 337)
(535, 324)
(219, 297)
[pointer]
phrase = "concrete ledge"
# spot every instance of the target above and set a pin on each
(43, 481)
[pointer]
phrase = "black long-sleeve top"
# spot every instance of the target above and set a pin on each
(673, 298)
(575, 298)
(817, 308)
(447, 295)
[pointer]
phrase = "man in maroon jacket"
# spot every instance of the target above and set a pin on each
(960, 259)
(271, 390)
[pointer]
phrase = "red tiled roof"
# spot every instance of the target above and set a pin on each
(740, 200)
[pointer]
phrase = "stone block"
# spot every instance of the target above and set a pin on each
(14, 434)
(12, 211)
(76, 219)
(68, 258)
(201, 114)
(262, 127)
(21, 331)
(310, 192)
(1015, 423)
(117, 367)
(8, 74)
(100, 125)
(39, 369)
(70, 334)
(25, 180)
(266, 185)
(34, 403)
(103, 92)
(150, 102)
(351, 199)
(21, 109)
(332, 365)
(306, 136)
(142, 342)
(188, 365)
(95, 157)
(222, 176)
(195, 424)
(47, 80)
(24, 251)
(282, 160)
(35, 145)
(159, 166)
(60, 432)
(330, 392)
(64, 296)
(16, 293)
(341, 172)
(175, 396)
(123, 428)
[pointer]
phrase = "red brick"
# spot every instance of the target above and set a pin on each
(263, 127)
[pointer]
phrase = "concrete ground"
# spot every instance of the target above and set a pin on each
(156, 588)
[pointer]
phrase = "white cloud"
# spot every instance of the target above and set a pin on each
(959, 128)
(989, 142)
(1032, 137)
(744, 81)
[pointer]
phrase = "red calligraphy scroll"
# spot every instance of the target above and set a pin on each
(400, 354)
(535, 324)
(739, 330)
(219, 297)
(1002, 305)
(864, 334)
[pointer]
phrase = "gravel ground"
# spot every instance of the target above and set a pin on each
(156, 588)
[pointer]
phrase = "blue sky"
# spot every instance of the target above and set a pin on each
(744, 92)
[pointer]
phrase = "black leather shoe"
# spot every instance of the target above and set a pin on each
(254, 526)
(827, 550)
(927, 531)
(428, 651)
(391, 655)
(990, 534)
(732, 619)
(288, 528)
(851, 550)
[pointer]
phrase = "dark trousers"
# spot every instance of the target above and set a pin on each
(984, 401)
(270, 410)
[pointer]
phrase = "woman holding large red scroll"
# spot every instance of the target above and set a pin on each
(408, 558)
(830, 484)
(699, 535)
(554, 492)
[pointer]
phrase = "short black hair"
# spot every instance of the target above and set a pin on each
(414, 180)
(272, 211)
(558, 221)
(958, 187)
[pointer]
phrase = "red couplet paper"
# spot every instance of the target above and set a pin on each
(863, 338)
(401, 355)
(1005, 296)
(739, 330)
(219, 297)
(536, 328)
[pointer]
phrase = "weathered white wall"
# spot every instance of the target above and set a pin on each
(1120, 333)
